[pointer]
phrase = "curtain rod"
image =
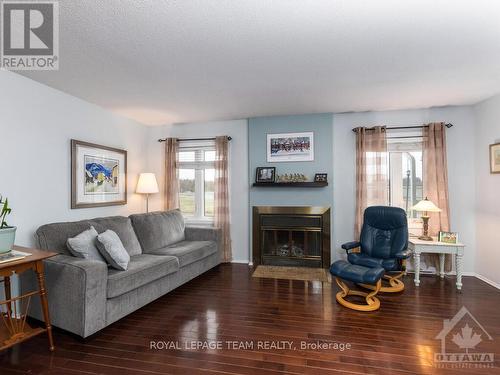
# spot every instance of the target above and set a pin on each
(408, 127)
(194, 139)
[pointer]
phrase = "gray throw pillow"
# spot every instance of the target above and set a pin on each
(84, 245)
(112, 249)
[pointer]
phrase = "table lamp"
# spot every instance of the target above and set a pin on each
(425, 206)
(147, 185)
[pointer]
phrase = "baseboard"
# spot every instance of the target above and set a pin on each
(487, 281)
(242, 261)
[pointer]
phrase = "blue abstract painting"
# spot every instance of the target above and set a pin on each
(101, 175)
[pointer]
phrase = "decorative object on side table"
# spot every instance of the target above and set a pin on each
(7, 232)
(14, 310)
(448, 237)
(147, 184)
(425, 206)
(288, 147)
(321, 177)
(98, 175)
(265, 174)
(495, 158)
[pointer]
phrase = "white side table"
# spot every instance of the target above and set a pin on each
(435, 247)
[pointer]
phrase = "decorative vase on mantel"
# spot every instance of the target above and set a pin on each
(7, 238)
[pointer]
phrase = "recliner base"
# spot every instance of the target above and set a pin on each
(372, 302)
(396, 285)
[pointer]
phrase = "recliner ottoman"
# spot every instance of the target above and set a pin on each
(343, 270)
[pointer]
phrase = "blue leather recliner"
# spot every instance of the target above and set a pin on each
(383, 243)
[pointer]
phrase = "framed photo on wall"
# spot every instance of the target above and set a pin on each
(98, 175)
(290, 147)
(495, 158)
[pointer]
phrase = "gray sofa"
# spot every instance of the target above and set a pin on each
(86, 296)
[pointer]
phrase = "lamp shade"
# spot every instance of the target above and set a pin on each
(426, 205)
(147, 184)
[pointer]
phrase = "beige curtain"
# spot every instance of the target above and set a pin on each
(222, 195)
(372, 181)
(436, 184)
(171, 192)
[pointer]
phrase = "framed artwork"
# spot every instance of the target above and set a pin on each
(448, 237)
(495, 158)
(265, 174)
(98, 175)
(289, 147)
(321, 177)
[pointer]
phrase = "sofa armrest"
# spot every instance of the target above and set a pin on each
(199, 233)
(351, 245)
(76, 290)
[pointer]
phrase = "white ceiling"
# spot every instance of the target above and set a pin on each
(199, 60)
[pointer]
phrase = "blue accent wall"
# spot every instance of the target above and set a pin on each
(322, 126)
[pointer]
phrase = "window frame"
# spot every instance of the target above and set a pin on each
(199, 165)
(404, 141)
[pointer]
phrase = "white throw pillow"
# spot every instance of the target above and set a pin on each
(112, 249)
(84, 245)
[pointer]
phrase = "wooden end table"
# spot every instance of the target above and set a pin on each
(13, 327)
(435, 247)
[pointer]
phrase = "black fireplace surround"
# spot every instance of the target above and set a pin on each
(291, 236)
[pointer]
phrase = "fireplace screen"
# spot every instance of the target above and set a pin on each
(291, 243)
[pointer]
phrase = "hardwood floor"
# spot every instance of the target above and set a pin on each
(227, 305)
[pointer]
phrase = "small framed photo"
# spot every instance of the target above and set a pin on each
(321, 177)
(448, 237)
(495, 158)
(265, 174)
(290, 147)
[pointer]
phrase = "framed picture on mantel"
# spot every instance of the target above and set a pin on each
(289, 147)
(98, 175)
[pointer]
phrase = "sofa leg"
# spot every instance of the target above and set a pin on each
(372, 302)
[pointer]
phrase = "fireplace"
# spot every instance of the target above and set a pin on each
(291, 236)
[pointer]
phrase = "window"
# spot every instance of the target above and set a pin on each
(196, 180)
(405, 172)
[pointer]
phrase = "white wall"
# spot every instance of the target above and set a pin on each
(37, 123)
(487, 191)
(239, 189)
(460, 146)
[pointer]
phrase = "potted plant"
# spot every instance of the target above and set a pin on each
(7, 233)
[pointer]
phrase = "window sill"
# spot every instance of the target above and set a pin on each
(199, 222)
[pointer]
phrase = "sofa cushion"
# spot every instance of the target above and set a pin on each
(111, 248)
(122, 226)
(84, 245)
(54, 236)
(142, 269)
(157, 230)
(188, 251)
